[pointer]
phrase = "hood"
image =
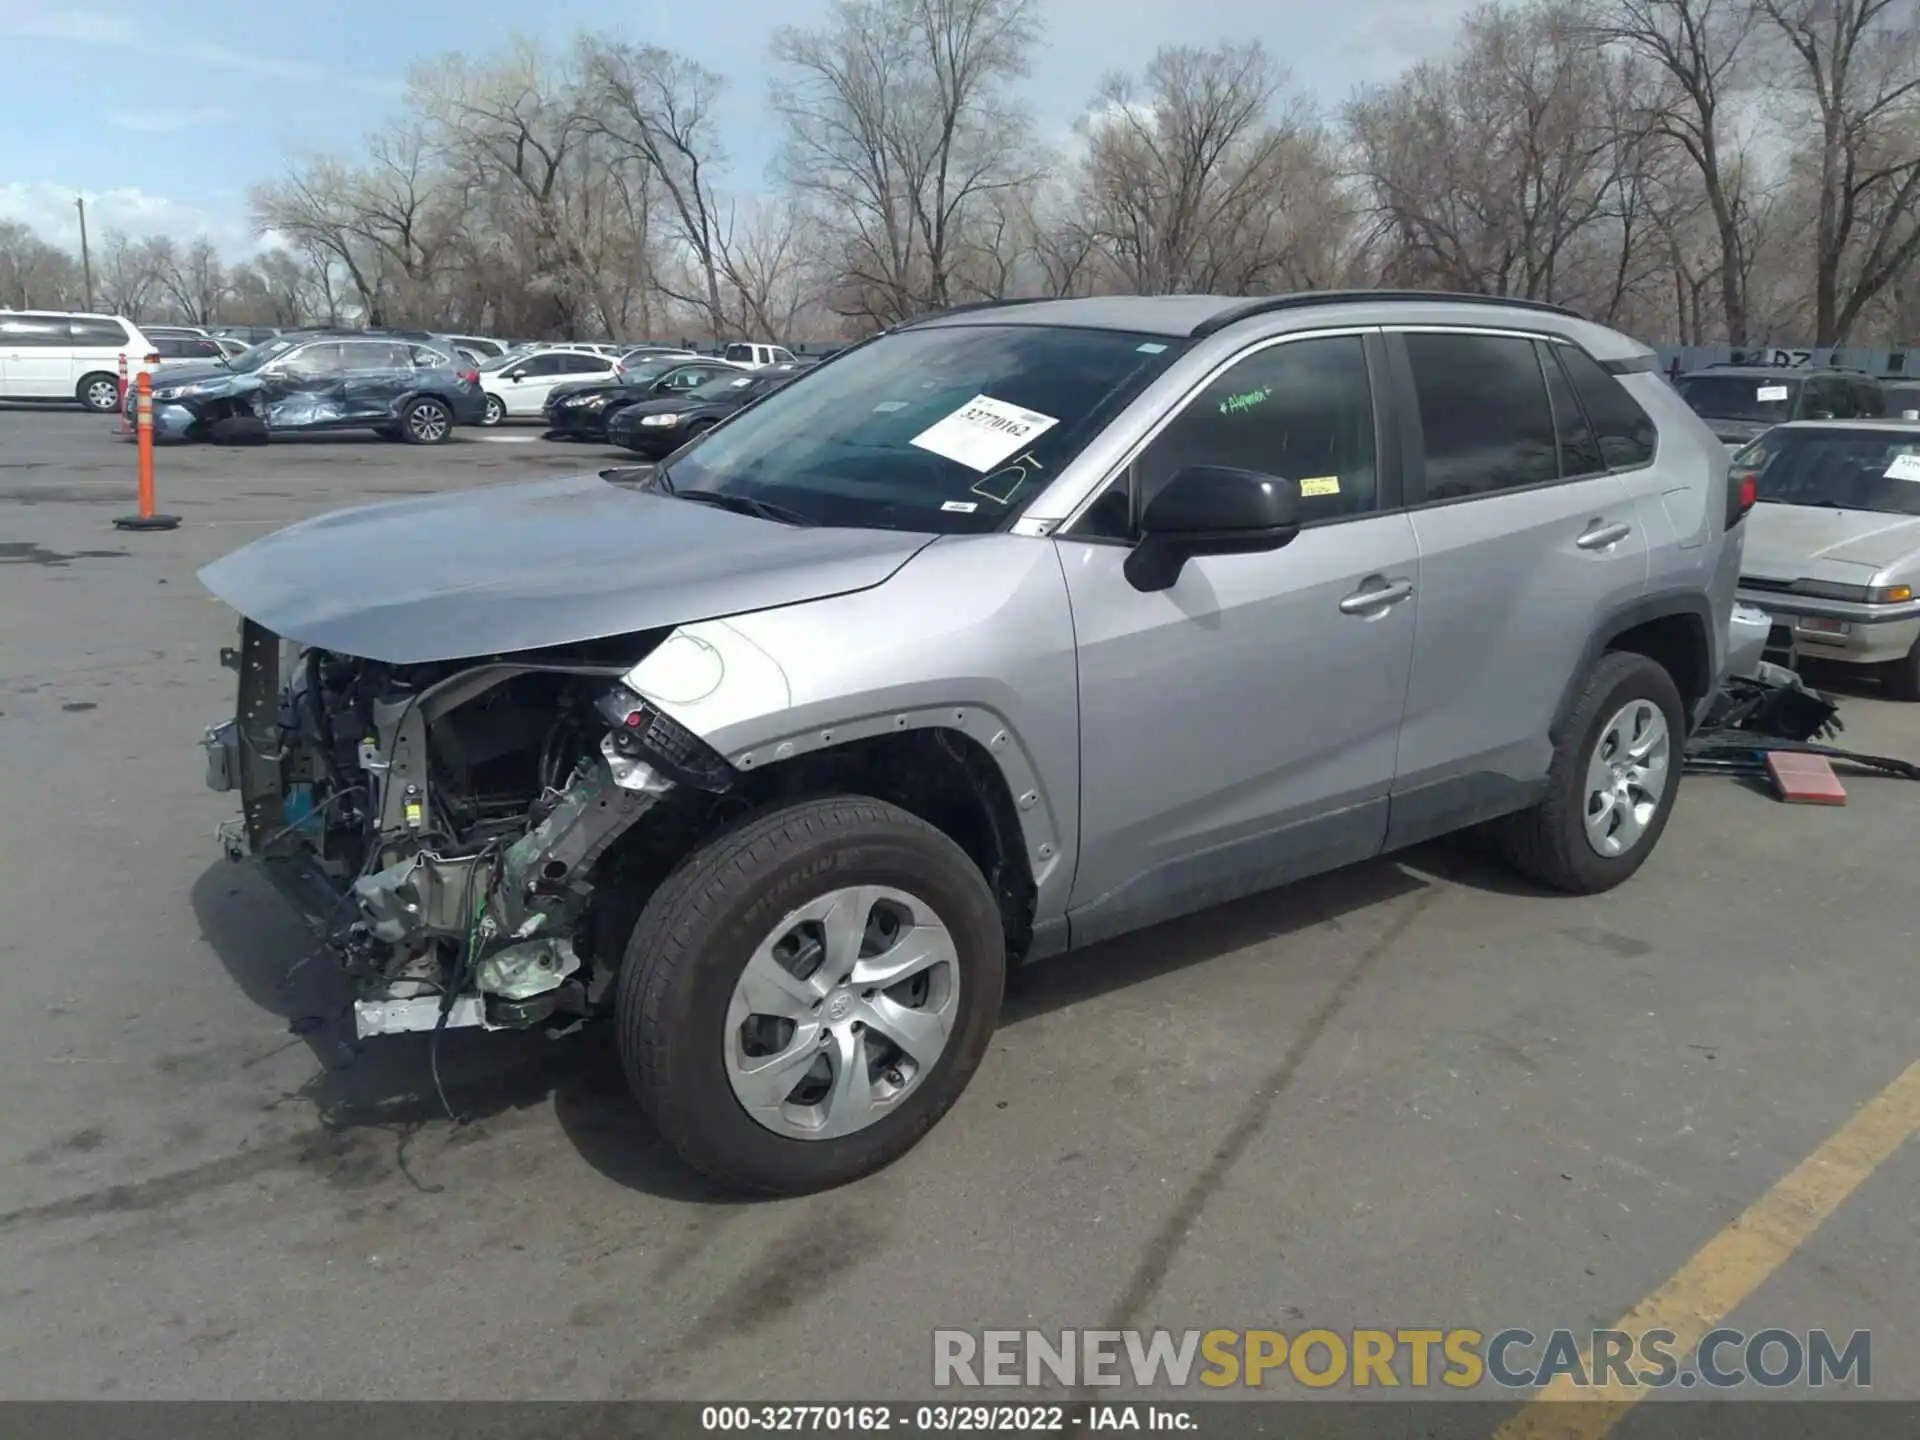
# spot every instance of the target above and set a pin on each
(664, 405)
(589, 387)
(1787, 542)
(522, 567)
(169, 375)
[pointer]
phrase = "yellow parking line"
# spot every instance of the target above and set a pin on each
(1734, 1263)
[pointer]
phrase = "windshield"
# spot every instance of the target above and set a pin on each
(949, 429)
(722, 387)
(1901, 398)
(260, 354)
(1877, 470)
(1739, 397)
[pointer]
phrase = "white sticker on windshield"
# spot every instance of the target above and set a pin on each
(1772, 392)
(1150, 348)
(1904, 467)
(983, 432)
(960, 507)
(887, 407)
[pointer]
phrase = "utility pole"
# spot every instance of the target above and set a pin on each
(86, 257)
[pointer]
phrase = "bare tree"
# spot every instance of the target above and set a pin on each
(1192, 181)
(34, 273)
(1699, 47)
(1857, 64)
(1497, 170)
(195, 281)
(900, 129)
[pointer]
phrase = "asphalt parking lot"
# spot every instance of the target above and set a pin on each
(1414, 1093)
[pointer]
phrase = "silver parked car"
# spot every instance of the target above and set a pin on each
(1000, 633)
(1834, 553)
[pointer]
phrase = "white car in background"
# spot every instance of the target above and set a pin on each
(65, 355)
(757, 357)
(517, 384)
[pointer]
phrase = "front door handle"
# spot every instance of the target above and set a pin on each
(1599, 536)
(1371, 600)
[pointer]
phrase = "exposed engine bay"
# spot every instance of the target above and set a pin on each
(447, 827)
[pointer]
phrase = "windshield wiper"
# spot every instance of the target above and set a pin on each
(739, 504)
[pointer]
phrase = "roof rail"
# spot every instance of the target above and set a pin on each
(1300, 299)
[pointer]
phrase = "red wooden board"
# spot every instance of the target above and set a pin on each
(1805, 779)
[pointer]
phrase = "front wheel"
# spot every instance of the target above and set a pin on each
(426, 422)
(806, 995)
(1611, 786)
(495, 412)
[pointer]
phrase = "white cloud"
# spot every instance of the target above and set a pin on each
(123, 32)
(49, 210)
(156, 122)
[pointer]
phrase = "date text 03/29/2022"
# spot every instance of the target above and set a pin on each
(910, 1418)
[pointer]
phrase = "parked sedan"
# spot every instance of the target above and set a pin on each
(1833, 546)
(582, 410)
(409, 390)
(657, 428)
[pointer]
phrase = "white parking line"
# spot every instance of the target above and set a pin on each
(507, 439)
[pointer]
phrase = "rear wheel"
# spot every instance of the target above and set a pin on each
(99, 392)
(1611, 786)
(496, 411)
(806, 995)
(426, 422)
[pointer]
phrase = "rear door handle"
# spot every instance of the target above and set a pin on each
(1601, 537)
(1370, 599)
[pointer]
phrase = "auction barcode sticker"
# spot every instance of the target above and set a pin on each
(983, 432)
(1772, 392)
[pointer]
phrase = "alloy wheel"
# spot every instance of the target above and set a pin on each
(841, 1012)
(1626, 777)
(428, 423)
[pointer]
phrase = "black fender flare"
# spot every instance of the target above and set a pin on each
(1665, 605)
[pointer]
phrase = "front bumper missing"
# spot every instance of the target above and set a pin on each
(509, 913)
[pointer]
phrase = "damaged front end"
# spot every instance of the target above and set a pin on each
(464, 835)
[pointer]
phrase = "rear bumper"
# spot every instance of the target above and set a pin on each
(1807, 627)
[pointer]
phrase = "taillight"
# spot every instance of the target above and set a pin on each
(472, 377)
(1743, 490)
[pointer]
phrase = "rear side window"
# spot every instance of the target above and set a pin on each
(1579, 447)
(1627, 435)
(585, 364)
(100, 332)
(34, 332)
(1484, 414)
(740, 353)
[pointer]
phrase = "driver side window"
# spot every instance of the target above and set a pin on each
(1301, 410)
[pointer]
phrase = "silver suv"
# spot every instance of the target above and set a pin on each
(1001, 633)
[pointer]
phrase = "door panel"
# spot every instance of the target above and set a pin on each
(36, 357)
(1517, 567)
(1219, 715)
(375, 374)
(306, 389)
(1238, 730)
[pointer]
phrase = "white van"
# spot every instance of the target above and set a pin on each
(54, 355)
(757, 357)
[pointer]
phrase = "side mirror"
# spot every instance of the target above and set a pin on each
(1211, 510)
(516, 376)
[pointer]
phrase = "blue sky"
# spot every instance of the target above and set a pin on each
(163, 115)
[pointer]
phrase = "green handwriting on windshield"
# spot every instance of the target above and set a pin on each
(1246, 400)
